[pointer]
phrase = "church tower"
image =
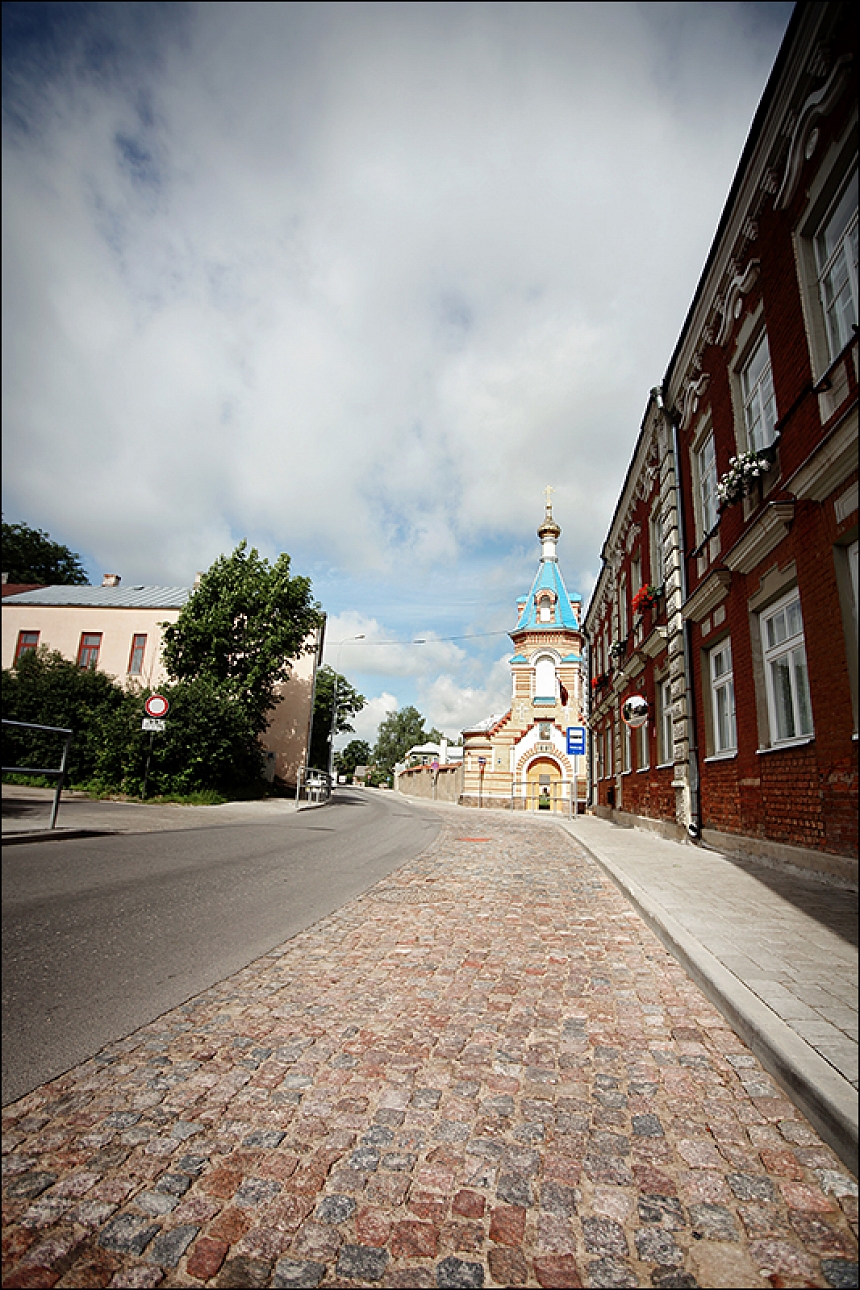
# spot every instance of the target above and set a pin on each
(519, 760)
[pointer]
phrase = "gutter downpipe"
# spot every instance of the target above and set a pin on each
(694, 828)
(589, 761)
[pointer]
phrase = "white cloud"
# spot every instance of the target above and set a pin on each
(356, 281)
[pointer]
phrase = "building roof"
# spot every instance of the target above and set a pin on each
(548, 578)
(139, 597)
(15, 588)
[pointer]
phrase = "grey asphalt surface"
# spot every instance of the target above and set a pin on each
(101, 934)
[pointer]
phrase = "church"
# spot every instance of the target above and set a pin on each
(518, 760)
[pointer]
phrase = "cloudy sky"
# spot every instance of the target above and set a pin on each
(356, 281)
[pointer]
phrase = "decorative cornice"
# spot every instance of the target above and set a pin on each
(761, 538)
(706, 597)
(742, 282)
(804, 135)
(693, 391)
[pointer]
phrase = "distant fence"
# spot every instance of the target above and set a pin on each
(51, 772)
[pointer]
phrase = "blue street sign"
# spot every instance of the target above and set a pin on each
(576, 741)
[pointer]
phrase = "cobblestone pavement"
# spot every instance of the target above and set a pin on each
(485, 1071)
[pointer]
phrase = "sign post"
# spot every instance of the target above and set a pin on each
(156, 708)
(575, 749)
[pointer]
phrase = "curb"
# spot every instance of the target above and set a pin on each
(827, 1099)
(50, 835)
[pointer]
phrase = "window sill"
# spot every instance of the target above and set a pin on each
(642, 770)
(724, 756)
(783, 747)
(665, 765)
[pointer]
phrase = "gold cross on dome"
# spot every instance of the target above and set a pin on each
(549, 489)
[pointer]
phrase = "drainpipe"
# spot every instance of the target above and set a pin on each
(694, 828)
(589, 762)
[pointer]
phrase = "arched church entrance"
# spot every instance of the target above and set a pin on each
(543, 785)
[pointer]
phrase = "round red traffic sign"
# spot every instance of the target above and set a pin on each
(156, 706)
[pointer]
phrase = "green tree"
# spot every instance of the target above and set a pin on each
(356, 753)
(241, 630)
(349, 702)
(29, 555)
(398, 732)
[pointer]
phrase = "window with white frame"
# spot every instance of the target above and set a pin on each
(786, 675)
(657, 549)
(706, 477)
(759, 398)
(836, 261)
(544, 677)
(628, 749)
(642, 757)
(723, 698)
(667, 734)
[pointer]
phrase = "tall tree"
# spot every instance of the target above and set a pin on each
(242, 629)
(29, 555)
(399, 732)
(349, 702)
(356, 753)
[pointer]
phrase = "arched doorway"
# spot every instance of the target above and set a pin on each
(543, 785)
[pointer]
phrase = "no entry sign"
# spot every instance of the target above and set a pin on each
(156, 706)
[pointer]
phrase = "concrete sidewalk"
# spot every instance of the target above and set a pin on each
(774, 950)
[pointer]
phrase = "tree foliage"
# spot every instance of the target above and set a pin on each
(398, 732)
(49, 690)
(208, 743)
(356, 753)
(241, 630)
(29, 555)
(349, 702)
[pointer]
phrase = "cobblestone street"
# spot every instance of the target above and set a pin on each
(485, 1071)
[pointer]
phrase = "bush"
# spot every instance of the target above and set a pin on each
(47, 689)
(209, 743)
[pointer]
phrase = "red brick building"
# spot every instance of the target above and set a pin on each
(744, 483)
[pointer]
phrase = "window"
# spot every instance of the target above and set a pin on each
(706, 473)
(723, 699)
(635, 581)
(657, 549)
(642, 758)
(836, 261)
(544, 678)
(138, 649)
(88, 654)
(667, 736)
(27, 641)
(628, 749)
(786, 676)
(759, 398)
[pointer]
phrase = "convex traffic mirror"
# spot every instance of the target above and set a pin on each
(635, 710)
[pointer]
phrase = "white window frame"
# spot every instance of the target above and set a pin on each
(705, 462)
(628, 749)
(542, 664)
(643, 758)
(658, 550)
(759, 399)
(839, 319)
(667, 729)
(790, 652)
(722, 687)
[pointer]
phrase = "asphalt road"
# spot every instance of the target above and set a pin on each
(103, 934)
